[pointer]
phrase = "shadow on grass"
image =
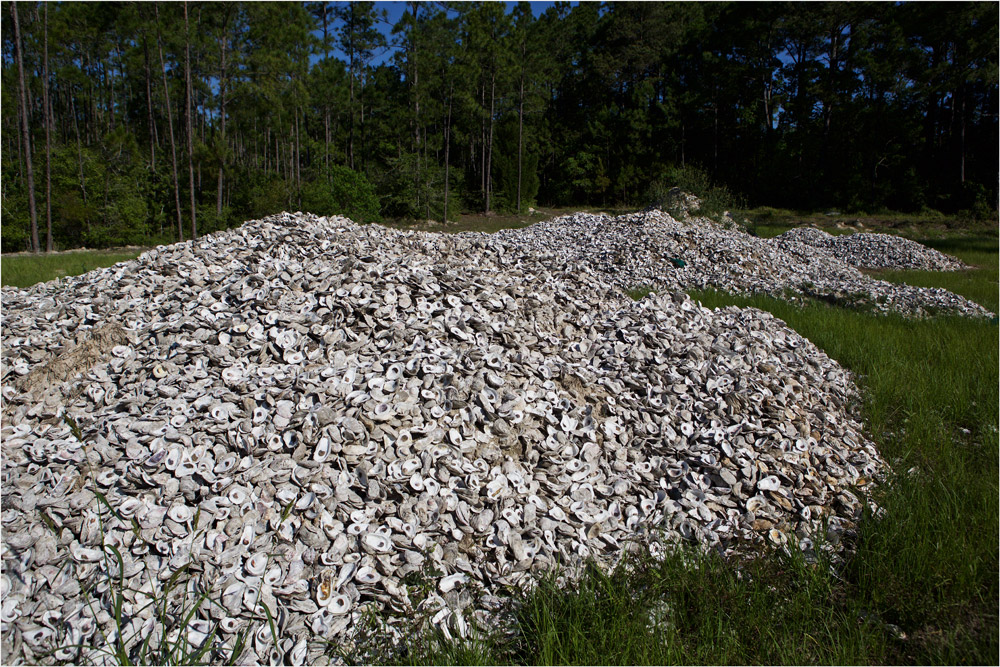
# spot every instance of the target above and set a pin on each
(981, 243)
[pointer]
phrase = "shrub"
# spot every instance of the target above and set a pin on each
(715, 198)
(342, 191)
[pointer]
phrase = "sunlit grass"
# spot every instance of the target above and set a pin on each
(26, 270)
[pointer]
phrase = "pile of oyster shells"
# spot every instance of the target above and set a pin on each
(876, 251)
(307, 419)
(653, 249)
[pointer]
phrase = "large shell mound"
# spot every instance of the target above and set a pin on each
(311, 413)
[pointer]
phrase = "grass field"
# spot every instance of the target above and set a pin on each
(922, 585)
(26, 270)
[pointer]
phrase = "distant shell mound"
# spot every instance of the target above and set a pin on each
(652, 249)
(309, 411)
(876, 251)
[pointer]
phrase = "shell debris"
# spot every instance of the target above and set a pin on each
(308, 412)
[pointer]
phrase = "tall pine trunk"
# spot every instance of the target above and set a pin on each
(48, 130)
(222, 120)
(79, 146)
(489, 146)
(149, 108)
(447, 158)
(170, 124)
(25, 133)
(962, 138)
(350, 144)
(326, 107)
(520, 137)
(190, 132)
(298, 161)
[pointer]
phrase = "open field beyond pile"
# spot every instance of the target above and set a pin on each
(921, 584)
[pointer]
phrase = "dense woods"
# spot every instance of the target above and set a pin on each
(128, 123)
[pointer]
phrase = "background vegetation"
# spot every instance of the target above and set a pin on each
(143, 122)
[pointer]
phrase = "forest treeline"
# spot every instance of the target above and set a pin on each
(134, 123)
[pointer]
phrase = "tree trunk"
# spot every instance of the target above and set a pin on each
(361, 102)
(125, 95)
(520, 138)
(683, 137)
(190, 134)
(326, 108)
(79, 146)
(48, 129)
(715, 136)
(414, 86)
(489, 146)
(447, 156)
(962, 138)
(350, 147)
(482, 145)
(298, 162)
(25, 134)
(222, 122)
(149, 108)
(170, 124)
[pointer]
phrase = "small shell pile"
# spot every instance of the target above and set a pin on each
(652, 249)
(875, 251)
(316, 418)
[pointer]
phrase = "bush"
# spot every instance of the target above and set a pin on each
(715, 198)
(341, 191)
(976, 204)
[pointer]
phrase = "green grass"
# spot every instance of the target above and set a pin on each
(922, 584)
(639, 293)
(26, 270)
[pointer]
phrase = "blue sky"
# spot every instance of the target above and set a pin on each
(394, 11)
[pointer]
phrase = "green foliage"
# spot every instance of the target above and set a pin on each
(265, 194)
(413, 188)
(506, 171)
(15, 232)
(976, 203)
(863, 107)
(715, 199)
(342, 191)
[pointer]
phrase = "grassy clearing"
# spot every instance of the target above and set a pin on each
(766, 221)
(26, 270)
(922, 586)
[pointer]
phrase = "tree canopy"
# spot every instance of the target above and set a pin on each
(139, 122)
